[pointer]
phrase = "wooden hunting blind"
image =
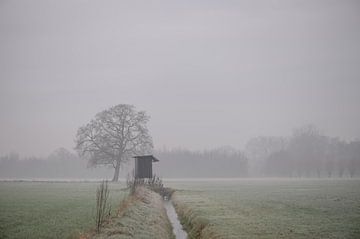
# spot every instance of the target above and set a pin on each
(143, 166)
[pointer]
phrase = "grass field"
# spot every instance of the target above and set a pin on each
(246, 208)
(275, 208)
(49, 210)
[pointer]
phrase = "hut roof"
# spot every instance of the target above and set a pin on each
(150, 157)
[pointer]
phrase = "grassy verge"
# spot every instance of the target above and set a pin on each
(141, 216)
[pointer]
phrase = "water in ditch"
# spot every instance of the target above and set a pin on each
(173, 217)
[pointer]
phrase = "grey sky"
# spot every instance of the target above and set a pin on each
(209, 73)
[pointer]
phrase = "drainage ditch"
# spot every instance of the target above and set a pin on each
(173, 217)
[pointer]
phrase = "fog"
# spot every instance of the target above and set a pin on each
(209, 73)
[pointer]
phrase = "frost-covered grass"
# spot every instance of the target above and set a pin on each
(50, 210)
(274, 208)
(142, 216)
(228, 209)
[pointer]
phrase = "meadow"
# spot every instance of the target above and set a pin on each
(274, 208)
(50, 209)
(240, 208)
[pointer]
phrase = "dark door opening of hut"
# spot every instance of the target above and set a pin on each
(143, 166)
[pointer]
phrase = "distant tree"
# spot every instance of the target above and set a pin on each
(13, 156)
(231, 158)
(353, 157)
(279, 164)
(8, 165)
(61, 154)
(307, 149)
(113, 136)
(334, 157)
(258, 149)
(341, 158)
(219, 162)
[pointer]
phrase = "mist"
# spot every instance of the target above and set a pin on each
(179, 119)
(211, 75)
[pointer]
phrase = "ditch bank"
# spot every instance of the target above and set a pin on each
(197, 227)
(141, 215)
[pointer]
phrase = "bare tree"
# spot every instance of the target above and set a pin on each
(307, 147)
(113, 136)
(334, 156)
(353, 157)
(259, 149)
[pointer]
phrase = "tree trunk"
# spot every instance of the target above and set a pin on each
(117, 170)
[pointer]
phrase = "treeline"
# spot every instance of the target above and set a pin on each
(220, 162)
(61, 164)
(307, 153)
(176, 163)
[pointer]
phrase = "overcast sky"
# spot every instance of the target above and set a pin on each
(209, 73)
